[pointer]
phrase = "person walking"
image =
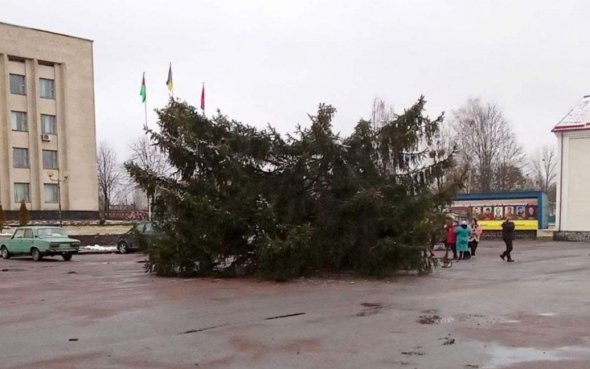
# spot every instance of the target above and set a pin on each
(476, 232)
(463, 233)
(452, 239)
(507, 235)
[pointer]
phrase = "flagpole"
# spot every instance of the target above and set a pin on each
(145, 108)
(149, 201)
(143, 93)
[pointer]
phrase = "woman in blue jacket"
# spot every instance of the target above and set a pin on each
(463, 232)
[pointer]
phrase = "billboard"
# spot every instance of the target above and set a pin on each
(491, 213)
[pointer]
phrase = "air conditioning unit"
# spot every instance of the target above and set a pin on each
(46, 138)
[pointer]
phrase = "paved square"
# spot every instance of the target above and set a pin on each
(103, 311)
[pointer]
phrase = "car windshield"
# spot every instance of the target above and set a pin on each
(51, 232)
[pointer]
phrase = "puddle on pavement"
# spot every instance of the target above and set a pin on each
(429, 319)
(371, 304)
(503, 356)
(283, 316)
(413, 353)
(429, 311)
(546, 329)
(371, 308)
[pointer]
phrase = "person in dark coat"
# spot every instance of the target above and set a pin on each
(507, 235)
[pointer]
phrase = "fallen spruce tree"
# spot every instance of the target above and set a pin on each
(261, 203)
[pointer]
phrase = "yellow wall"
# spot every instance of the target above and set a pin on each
(520, 225)
(70, 62)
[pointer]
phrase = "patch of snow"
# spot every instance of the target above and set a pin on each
(502, 356)
(547, 314)
(98, 248)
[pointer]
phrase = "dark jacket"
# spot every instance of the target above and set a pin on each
(508, 230)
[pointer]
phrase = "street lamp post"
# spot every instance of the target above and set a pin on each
(58, 181)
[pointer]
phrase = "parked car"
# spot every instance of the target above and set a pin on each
(128, 242)
(39, 241)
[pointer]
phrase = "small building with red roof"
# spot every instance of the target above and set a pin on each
(573, 173)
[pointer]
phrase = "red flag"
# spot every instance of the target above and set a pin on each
(203, 97)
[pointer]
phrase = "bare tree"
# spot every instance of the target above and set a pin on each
(489, 147)
(543, 168)
(444, 144)
(109, 176)
(508, 173)
(381, 113)
(147, 156)
(121, 194)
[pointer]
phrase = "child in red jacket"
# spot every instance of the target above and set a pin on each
(452, 239)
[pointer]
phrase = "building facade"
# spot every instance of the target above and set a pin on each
(573, 189)
(47, 124)
(529, 210)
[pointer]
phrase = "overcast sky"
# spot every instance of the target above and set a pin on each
(273, 61)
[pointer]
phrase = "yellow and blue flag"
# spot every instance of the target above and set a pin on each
(169, 82)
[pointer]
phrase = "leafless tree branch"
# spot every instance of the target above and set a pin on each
(489, 146)
(109, 175)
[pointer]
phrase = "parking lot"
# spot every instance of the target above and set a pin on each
(103, 311)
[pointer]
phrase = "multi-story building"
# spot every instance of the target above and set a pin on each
(47, 126)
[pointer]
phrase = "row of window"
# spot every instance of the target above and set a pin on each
(18, 86)
(50, 193)
(19, 122)
(20, 158)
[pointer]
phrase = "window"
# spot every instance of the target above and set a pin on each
(148, 228)
(21, 192)
(19, 233)
(48, 124)
(20, 157)
(28, 233)
(49, 159)
(17, 84)
(47, 89)
(50, 193)
(18, 121)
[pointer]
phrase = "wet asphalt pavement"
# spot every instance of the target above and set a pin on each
(103, 311)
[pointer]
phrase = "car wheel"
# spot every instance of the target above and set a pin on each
(67, 257)
(123, 247)
(36, 254)
(4, 253)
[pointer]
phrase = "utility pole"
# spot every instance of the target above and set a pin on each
(58, 181)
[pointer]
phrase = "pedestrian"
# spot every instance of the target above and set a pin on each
(452, 239)
(476, 232)
(463, 233)
(507, 235)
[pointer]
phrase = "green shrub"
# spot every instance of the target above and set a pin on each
(23, 214)
(2, 218)
(292, 257)
(388, 257)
